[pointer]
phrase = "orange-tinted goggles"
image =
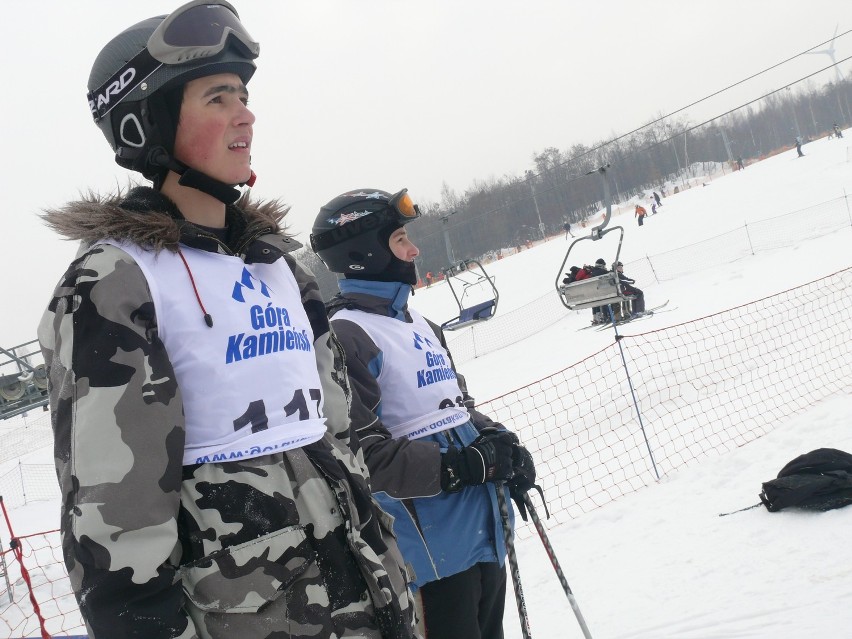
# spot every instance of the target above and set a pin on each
(404, 206)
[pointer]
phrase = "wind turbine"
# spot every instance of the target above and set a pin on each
(830, 53)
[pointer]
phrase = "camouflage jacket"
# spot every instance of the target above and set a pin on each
(289, 544)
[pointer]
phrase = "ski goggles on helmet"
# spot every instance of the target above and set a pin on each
(405, 208)
(200, 29)
(196, 31)
(400, 208)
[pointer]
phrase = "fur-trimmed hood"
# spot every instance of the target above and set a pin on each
(146, 217)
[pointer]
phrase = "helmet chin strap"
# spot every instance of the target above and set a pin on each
(194, 179)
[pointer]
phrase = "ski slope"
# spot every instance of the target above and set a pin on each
(661, 563)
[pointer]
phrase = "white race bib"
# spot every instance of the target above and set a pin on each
(420, 391)
(249, 383)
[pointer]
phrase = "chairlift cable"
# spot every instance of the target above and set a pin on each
(573, 178)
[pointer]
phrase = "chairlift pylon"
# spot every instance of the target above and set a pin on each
(599, 290)
(469, 275)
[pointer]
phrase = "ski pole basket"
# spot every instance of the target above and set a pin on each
(464, 281)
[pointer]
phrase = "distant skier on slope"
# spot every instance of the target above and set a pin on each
(641, 212)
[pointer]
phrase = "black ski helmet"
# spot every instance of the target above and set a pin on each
(132, 77)
(350, 234)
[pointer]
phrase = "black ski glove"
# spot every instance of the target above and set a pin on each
(523, 479)
(487, 458)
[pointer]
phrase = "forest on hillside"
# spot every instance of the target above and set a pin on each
(564, 185)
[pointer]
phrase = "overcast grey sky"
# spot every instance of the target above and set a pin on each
(389, 93)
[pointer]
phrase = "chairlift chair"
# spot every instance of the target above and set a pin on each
(600, 290)
(469, 275)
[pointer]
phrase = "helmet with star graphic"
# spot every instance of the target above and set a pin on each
(351, 233)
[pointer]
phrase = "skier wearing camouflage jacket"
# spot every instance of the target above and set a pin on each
(210, 486)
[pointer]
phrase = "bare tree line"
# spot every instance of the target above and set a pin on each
(563, 186)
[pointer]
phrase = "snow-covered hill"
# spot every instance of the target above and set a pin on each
(661, 563)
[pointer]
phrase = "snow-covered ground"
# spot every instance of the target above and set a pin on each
(660, 563)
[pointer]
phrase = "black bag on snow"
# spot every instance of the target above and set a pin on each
(818, 480)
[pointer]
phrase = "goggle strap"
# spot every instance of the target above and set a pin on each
(103, 99)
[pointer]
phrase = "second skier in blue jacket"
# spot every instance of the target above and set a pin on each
(434, 459)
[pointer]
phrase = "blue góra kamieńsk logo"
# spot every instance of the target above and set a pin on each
(419, 340)
(249, 281)
(268, 328)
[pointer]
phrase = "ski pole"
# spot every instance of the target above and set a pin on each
(513, 561)
(549, 549)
